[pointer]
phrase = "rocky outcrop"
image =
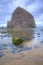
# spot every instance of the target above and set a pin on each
(21, 19)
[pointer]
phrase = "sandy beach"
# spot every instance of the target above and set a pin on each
(28, 57)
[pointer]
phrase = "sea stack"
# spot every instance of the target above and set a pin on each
(21, 19)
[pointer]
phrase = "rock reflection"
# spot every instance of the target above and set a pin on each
(20, 49)
(1, 54)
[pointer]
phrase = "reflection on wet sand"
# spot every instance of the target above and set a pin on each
(27, 57)
(28, 53)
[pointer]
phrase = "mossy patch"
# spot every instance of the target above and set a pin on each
(17, 41)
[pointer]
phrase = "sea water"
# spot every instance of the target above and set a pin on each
(6, 46)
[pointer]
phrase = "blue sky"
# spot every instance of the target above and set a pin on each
(33, 6)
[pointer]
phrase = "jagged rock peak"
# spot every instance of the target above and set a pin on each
(20, 10)
(21, 19)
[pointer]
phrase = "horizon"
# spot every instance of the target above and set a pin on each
(35, 7)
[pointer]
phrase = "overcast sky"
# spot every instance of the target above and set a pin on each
(33, 6)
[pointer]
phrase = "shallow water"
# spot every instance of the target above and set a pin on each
(29, 53)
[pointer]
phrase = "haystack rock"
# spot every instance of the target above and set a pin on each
(21, 19)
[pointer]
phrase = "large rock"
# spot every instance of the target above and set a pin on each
(21, 19)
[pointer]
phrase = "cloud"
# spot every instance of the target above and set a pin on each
(39, 24)
(36, 8)
(4, 12)
(15, 3)
(22, 3)
(33, 6)
(39, 20)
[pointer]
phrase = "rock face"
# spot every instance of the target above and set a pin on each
(21, 19)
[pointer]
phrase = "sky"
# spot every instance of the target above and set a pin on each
(35, 7)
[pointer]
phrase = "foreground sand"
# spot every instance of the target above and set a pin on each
(29, 57)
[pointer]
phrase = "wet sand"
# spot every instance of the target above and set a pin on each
(28, 57)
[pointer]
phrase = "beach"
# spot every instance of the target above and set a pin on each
(33, 56)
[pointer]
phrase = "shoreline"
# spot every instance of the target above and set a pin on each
(28, 57)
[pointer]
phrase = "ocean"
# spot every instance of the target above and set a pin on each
(33, 47)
